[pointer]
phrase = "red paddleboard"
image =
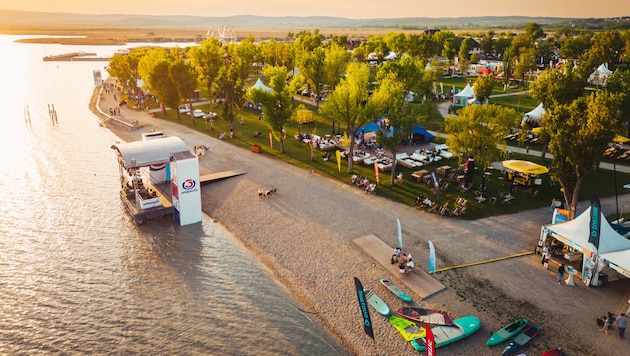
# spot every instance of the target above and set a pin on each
(554, 352)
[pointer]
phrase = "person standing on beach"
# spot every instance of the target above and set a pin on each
(560, 273)
(622, 322)
(607, 323)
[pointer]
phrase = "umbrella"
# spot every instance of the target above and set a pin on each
(537, 130)
(526, 167)
(621, 139)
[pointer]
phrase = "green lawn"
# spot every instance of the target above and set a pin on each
(599, 183)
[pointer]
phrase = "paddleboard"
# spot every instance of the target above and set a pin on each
(521, 339)
(431, 316)
(507, 332)
(407, 328)
(444, 335)
(397, 291)
(377, 303)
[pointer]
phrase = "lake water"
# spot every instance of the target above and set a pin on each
(77, 276)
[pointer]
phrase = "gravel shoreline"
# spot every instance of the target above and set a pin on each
(304, 234)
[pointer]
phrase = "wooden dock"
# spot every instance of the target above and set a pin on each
(208, 178)
(419, 281)
(76, 57)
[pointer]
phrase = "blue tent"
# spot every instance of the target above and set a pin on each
(417, 130)
(371, 127)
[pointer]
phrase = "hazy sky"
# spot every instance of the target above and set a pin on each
(356, 9)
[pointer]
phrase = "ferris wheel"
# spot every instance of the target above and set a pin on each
(223, 33)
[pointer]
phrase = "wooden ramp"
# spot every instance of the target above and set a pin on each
(208, 178)
(417, 280)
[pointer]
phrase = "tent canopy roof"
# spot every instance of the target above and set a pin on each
(603, 69)
(467, 92)
(260, 85)
(421, 131)
(146, 153)
(578, 230)
(526, 167)
(537, 113)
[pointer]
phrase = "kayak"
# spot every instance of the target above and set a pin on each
(557, 351)
(421, 315)
(397, 291)
(444, 335)
(407, 328)
(377, 303)
(521, 339)
(507, 332)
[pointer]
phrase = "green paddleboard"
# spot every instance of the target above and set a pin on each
(444, 335)
(377, 303)
(397, 291)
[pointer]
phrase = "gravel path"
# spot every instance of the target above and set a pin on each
(304, 234)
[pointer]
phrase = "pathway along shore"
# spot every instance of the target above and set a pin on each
(304, 236)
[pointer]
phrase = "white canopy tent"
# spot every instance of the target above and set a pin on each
(603, 70)
(465, 96)
(260, 85)
(534, 115)
(613, 250)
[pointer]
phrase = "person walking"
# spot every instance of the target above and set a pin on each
(622, 322)
(546, 258)
(560, 273)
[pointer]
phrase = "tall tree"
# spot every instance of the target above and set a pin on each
(479, 131)
(230, 89)
(276, 103)
(335, 62)
(619, 82)
(348, 102)
(558, 86)
(388, 100)
(312, 67)
(154, 69)
(483, 87)
(208, 60)
(185, 79)
(578, 135)
(464, 53)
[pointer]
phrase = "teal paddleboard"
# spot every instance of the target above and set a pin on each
(507, 332)
(444, 335)
(397, 291)
(377, 303)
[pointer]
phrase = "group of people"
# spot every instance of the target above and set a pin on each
(405, 261)
(620, 320)
(364, 183)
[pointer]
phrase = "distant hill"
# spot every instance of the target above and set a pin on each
(22, 19)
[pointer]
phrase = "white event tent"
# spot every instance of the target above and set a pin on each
(465, 95)
(260, 85)
(534, 115)
(613, 250)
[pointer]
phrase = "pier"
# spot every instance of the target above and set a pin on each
(76, 57)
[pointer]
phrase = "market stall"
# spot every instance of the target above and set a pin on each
(524, 172)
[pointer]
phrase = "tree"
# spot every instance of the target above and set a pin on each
(335, 62)
(185, 81)
(579, 133)
(487, 43)
(508, 67)
(464, 50)
(558, 86)
(619, 82)
(526, 63)
(302, 116)
(208, 60)
(606, 47)
(154, 69)
(574, 47)
(348, 102)
(533, 31)
(125, 68)
(312, 67)
(276, 104)
(230, 89)
(483, 87)
(479, 131)
(388, 100)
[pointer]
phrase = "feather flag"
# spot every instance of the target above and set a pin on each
(378, 178)
(429, 340)
(338, 156)
(431, 258)
(271, 140)
(367, 322)
(596, 222)
(399, 234)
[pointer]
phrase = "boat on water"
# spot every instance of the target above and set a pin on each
(507, 332)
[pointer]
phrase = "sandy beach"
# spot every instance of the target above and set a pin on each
(304, 234)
